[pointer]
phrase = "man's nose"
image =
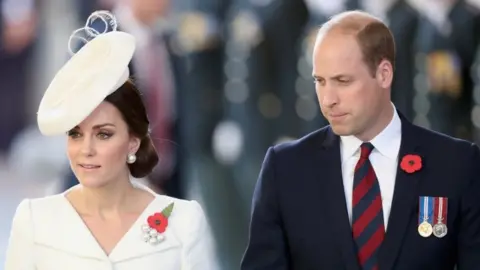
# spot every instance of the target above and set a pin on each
(328, 97)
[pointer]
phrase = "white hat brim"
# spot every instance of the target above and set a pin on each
(98, 69)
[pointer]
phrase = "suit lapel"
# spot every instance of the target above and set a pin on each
(331, 175)
(404, 199)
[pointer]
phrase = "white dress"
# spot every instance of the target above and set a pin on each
(48, 234)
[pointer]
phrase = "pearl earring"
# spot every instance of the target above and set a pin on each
(131, 158)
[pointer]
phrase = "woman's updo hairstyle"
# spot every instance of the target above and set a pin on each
(128, 100)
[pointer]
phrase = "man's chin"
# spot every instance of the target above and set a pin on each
(341, 130)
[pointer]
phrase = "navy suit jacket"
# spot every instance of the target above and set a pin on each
(299, 214)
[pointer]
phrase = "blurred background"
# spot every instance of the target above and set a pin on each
(224, 79)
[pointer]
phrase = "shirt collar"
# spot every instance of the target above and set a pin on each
(387, 142)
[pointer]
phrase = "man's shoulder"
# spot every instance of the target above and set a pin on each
(446, 153)
(306, 143)
(427, 138)
(441, 142)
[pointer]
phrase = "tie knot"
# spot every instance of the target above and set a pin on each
(365, 150)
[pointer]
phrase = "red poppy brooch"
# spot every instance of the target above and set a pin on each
(156, 226)
(411, 163)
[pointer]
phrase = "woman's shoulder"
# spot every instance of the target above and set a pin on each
(40, 213)
(42, 206)
(186, 219)
(41, 202)
(178, 207)
(183, 215)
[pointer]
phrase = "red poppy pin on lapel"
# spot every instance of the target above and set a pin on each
(411, 163)
(156, 226)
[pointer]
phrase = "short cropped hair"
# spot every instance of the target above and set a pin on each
(374, 38)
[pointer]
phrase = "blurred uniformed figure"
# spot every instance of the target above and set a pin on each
(18, 38)
(260, 72)
(282, 22)
(259, 79)
(201, 42)
(402, 20)
(447, 44)
(474, 5)
(307, 112)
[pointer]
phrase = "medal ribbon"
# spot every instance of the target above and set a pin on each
(426, 210)
(441, 204)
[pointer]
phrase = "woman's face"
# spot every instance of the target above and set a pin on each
(98, 147)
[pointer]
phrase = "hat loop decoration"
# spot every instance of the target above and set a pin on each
(88, 32)
(106, 17)
(98, 68)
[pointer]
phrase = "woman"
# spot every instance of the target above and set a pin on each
(107, 221)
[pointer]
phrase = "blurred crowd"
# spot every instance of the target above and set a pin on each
(225, 79)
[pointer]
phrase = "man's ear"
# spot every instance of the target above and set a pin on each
(385, 74)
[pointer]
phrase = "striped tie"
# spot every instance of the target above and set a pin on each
(367, 219)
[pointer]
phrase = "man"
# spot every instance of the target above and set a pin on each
(323, 202)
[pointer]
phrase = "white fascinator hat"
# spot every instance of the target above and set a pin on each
(95, 71)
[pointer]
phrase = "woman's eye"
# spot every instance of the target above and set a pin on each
(104, 135)
(73, 134)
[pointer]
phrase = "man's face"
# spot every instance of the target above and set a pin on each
(350, 97)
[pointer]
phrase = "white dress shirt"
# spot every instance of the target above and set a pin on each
(384, 159)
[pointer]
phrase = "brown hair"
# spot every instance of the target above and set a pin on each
(374, 38)
(128, 100)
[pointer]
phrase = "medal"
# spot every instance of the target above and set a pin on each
(425, 217)
(425, 229)
(440, 228)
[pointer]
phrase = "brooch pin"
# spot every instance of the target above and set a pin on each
(156, 226)
(411, 163)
